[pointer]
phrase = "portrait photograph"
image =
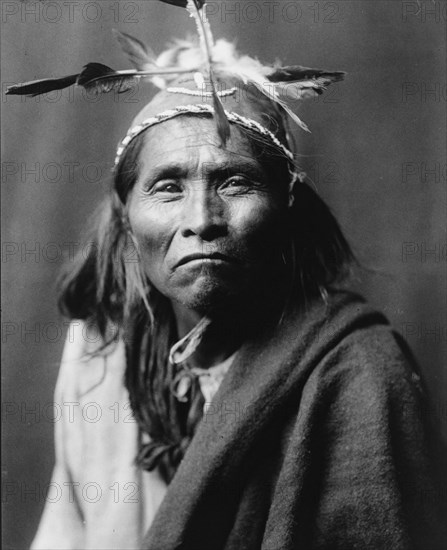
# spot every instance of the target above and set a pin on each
(224, 274)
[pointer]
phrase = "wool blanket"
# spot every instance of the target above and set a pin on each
(315, 440)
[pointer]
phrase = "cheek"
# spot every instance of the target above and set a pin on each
(259, 224)
(153, 232)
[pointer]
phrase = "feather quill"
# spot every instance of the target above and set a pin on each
(207, 43)
(94, 77)
(271, 81)
(99, 78)
(185, 57)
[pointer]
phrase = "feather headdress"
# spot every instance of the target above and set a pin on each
(193, 73)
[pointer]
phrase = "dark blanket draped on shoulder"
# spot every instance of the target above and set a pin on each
(313, 441)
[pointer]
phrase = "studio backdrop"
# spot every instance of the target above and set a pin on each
(376, 154)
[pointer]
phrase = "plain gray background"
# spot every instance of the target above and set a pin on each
(376, 154)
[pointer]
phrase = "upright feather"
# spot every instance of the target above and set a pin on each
(183, 3)
(207, 43)
(185, 57)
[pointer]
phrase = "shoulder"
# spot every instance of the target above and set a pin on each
(372, 364)
(87, 359)
(364, 354)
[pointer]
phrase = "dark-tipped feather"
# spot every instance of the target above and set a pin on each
(93, 71)
(223, 126)
(37, 87)
(183, 3)
(99, 78)
(179, 3)
(306, 82)
(206, 42)
(295, 73)
(94, 77)
(141, 57)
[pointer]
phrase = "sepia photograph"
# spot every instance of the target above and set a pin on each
(224, 274)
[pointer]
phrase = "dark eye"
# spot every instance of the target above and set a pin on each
(236, 183)
(166, 186)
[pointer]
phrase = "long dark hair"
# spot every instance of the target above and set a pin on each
(109, 289)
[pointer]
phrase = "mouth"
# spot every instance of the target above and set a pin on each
(215, 257)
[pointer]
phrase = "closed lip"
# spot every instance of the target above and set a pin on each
(203, 256)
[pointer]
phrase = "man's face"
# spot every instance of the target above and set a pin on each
(208, 221)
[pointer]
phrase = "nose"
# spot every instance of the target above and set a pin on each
(203, 215)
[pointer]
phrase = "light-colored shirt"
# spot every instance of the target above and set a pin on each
(98, 498)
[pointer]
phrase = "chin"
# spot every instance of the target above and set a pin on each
(207, 295)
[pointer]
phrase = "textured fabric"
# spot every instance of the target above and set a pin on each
(98, 498)
(314, 441)
(209, 379)
(104, 501)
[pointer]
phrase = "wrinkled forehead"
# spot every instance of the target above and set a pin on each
(191, 140)
(244, 106)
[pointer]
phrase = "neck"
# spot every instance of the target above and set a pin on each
(220, 340)
(229, 327)
(186, 319)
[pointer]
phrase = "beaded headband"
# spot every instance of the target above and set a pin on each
(247, 123)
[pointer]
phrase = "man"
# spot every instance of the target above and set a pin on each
(269, 410)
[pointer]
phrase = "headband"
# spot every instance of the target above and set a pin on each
(198, 109)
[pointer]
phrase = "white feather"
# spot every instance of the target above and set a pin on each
(187, 54)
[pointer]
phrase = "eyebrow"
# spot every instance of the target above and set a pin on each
(248, 166)
(217, 169)
(167, 171)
